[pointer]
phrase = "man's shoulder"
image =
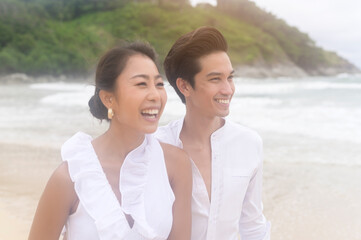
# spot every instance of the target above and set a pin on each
(168, 133)
(244, 143)
(241, 132)
(238, 128)
(171, 126)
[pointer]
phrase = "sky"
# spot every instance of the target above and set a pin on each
(334, 25)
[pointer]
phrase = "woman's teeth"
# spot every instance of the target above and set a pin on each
(150, 113)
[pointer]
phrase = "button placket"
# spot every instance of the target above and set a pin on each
(212, 222)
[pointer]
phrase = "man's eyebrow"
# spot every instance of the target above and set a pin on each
(217, 73)
(213, 74)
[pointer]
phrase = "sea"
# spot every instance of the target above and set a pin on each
(313, 120)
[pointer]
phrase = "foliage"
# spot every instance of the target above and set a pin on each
(68, 36)
(297, 45)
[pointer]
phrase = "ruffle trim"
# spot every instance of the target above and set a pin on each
(97, 196)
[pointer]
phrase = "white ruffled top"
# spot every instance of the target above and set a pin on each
(144, 186)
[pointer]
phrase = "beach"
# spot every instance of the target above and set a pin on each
(311, 131)
(308, 201)
(302, 201)
(24, 173)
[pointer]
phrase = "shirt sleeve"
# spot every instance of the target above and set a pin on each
(252, 224)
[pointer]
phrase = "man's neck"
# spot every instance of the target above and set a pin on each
(198, 129)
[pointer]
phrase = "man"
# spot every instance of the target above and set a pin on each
(226, 157)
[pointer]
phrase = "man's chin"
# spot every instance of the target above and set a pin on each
(223, 114)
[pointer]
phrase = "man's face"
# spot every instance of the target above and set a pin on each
(214, 86)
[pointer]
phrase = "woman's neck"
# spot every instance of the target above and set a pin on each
(116, 143)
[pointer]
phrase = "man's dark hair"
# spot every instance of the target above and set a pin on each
(182, 59)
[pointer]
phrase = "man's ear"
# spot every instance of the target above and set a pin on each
(183, 86)
(107, 98)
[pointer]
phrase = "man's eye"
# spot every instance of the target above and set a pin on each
(161, 84)
(215, 79)
(230, 77)
(141, 84)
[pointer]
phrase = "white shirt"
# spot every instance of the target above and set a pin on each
(146, 193)
(236, 205)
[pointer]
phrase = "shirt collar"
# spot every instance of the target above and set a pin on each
(180, 123)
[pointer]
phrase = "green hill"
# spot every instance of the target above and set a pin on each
(67, 37)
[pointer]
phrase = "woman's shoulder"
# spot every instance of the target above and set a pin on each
(176, 159)
(61, 176)
(60, 184)
(173, 153)
(79, 142)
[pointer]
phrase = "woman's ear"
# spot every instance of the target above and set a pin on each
(106, 98)
(183, 86)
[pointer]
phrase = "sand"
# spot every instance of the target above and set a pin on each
(23, 176)
(310, 201)
(302, 200)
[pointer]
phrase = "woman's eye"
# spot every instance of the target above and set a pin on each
(161, 84)
(141, 84)
(214, 79)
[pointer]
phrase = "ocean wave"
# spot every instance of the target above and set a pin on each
(320, 122)
(61, 86)
(255, 101)
(348, 76)
(275, 87)
(68, 99)
(265, 88)
(329, 85)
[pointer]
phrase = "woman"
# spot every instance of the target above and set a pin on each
(124, 184)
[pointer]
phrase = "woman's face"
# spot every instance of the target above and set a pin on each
(139, 96)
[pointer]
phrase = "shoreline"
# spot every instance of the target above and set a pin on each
(302, 200)
(257, 72)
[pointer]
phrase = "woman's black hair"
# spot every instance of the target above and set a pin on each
(110, 66)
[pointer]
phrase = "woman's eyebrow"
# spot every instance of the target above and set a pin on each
(145, 76)
(140, 76)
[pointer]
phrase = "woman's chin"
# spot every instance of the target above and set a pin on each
(150, 129)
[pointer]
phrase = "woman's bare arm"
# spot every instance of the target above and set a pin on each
(54, 206)
(180, 175)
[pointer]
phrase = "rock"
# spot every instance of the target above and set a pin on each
(270, 71)
(16, 78)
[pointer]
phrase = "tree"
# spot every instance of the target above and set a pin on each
(226, 4)
(180, 3)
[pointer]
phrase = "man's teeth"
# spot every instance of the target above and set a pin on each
(150, 111)
(225, 101)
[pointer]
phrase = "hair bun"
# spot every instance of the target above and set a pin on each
(97, 108)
